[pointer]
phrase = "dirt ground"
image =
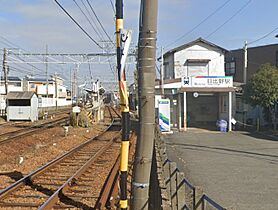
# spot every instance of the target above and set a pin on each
(25, 155)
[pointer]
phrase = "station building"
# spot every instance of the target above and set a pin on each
(195, 82)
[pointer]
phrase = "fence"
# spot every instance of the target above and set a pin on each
(176, 191)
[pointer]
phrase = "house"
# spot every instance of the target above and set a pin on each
(14, 85)
(234, 66)
(50, 93)
(195, 82)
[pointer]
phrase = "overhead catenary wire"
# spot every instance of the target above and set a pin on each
(113, 7)
(87, 18)
(229, 19)
(199, 24)
(13, 45)
(84, 31)
(99, 21)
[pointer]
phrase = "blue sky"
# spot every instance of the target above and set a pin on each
(33, 24)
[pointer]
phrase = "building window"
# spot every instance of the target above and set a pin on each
(230, 68)
(197, 69)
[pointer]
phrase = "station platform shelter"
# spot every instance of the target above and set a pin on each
(199, 107)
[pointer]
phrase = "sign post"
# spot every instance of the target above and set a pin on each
(164, 115)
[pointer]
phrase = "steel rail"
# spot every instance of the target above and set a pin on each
(4, 137)
(55, 197)
(29, 178)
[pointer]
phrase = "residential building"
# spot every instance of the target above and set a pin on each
(256, 56)
(234, 66)
(50, 93)
(14, 85)
(195, 83)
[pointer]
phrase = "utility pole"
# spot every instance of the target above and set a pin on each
(124, 107)
(5, 70)
(162, 73)
(56, 90)
(146, 68)
(245, 63)
(46, 73)
(245, 81)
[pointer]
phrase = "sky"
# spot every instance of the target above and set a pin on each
(31, 24)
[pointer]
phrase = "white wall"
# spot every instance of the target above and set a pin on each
(198, 51)
(11, 88)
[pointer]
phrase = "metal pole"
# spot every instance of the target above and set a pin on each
(162, 73)
(5, 70)
(146, 68)
(124, 109)
(46, 73)
(56, 91)
(230, 111)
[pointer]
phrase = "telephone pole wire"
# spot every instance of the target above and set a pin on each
(146, 73)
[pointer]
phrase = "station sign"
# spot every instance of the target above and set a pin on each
(207, 81)
(164, 115)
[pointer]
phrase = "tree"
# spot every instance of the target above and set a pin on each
(262, 89)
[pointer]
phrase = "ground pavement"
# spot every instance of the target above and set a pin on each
(239, 170)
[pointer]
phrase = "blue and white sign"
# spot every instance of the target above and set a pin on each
(164, 115)
(207, 81)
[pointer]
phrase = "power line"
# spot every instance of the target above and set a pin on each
(266, 35)
(93, 19)
(98, 21)
(229, 19)
(65, 11)
(204, 20)
(113, 7)
(87, 18)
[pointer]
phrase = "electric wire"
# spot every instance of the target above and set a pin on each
(199, 24)
(229, 19)
(266, 35)
(84, 31)
(87, 19)
(99, 21)
(113, 7)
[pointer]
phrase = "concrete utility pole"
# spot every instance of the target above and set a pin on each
(162, 73)
(5, 70)
(245, 81)
(245, 63)
(146, 68)
(56, 90)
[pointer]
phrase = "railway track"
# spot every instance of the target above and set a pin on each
(69, 181)
(12, 135)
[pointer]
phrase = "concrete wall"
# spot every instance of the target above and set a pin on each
(199, 51)
(256, 56)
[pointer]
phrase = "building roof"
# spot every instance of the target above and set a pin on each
(38, 79)
(20, 95)
(184, 46)
(12, 78)
(260, 46)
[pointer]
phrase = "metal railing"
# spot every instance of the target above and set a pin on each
(181, 193)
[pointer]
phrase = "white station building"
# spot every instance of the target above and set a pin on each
(195, 82)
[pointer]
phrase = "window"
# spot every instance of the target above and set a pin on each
(197, 69)
(230, 68)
